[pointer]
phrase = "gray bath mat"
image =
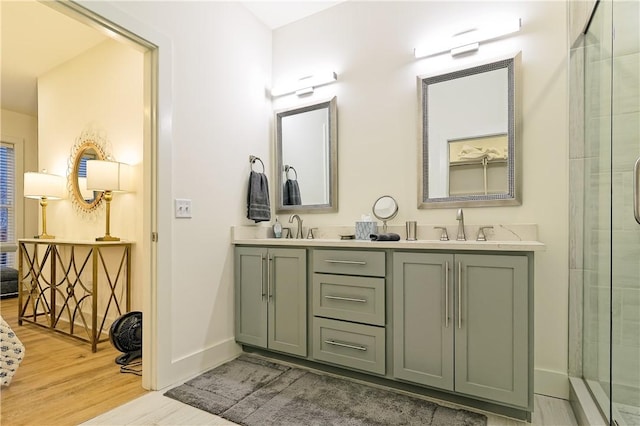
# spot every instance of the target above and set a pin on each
(253, 391)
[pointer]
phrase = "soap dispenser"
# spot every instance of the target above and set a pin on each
(277, 229)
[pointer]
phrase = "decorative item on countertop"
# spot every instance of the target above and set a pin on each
(258, 207)
(390, 236)
(365, 227)
(277, 229)
(412, 226)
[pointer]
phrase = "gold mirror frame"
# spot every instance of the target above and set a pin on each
(87, 141)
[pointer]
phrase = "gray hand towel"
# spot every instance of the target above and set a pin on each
(258, 207)
(385, 237)
(291, 195)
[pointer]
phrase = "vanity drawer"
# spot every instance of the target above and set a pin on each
(351, 345)
(349, 262)
(359, 299)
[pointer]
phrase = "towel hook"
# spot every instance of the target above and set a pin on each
(253, 159)
(287, 168)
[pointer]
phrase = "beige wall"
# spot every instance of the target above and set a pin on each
(370, 46)
(101, 89)
(22, 130)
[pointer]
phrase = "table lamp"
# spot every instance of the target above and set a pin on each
(107, 177)
(43, 187)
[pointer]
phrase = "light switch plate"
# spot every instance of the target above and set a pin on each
(183, 208)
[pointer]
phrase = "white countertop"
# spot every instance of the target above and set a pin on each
(261, 235)
(402, 244)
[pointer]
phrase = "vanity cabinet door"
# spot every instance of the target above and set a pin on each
(271, 298)
(287, 296)
(251, 295)
(423, 318)
(492, 327)
(461, 323)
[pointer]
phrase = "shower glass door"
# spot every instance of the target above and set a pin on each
(625, 228)
(596, 355)
(611, 345)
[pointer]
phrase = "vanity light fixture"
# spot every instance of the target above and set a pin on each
(305, 85)
(469, 40)
(108, 177)
(43, 187)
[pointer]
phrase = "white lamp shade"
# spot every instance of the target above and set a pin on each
(107, 176)
(38, 185)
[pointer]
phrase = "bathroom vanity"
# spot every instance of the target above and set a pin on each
(448, 319)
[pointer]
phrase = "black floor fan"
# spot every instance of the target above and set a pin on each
(126, 336)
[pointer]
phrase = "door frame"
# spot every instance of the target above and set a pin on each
(114, 23)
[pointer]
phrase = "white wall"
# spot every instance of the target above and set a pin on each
(370, 46)
(219, 115)
(22, 130)
(100, 89)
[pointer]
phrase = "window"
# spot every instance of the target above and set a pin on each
(7, 199)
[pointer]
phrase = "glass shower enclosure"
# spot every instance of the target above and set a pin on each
(611, 220)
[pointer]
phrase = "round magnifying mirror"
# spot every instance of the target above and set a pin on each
(385, 208)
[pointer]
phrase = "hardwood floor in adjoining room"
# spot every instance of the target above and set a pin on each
(60, 381)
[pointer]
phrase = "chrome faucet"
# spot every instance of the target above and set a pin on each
(299, 230)
(460, 219)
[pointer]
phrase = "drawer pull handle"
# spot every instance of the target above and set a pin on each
(345, 345)
(347, 299)
(347, 262)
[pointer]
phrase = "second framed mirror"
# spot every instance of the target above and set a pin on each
(470, 143)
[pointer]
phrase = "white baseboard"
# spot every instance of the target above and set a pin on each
(551, 383)
(189, 366)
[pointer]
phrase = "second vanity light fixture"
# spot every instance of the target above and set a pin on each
(305, 85)
(469, 40)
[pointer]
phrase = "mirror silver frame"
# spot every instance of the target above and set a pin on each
(514, 170)
(332, 205)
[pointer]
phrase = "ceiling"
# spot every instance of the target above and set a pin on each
(36, 39)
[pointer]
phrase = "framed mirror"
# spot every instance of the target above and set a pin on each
(87, 147)
(469, 147)
(307, 158)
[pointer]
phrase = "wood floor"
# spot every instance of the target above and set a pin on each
(60, 381)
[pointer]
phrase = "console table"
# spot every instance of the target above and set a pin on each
(74, 287)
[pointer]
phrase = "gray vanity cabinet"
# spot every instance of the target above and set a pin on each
(271, 298)
(461, 323)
